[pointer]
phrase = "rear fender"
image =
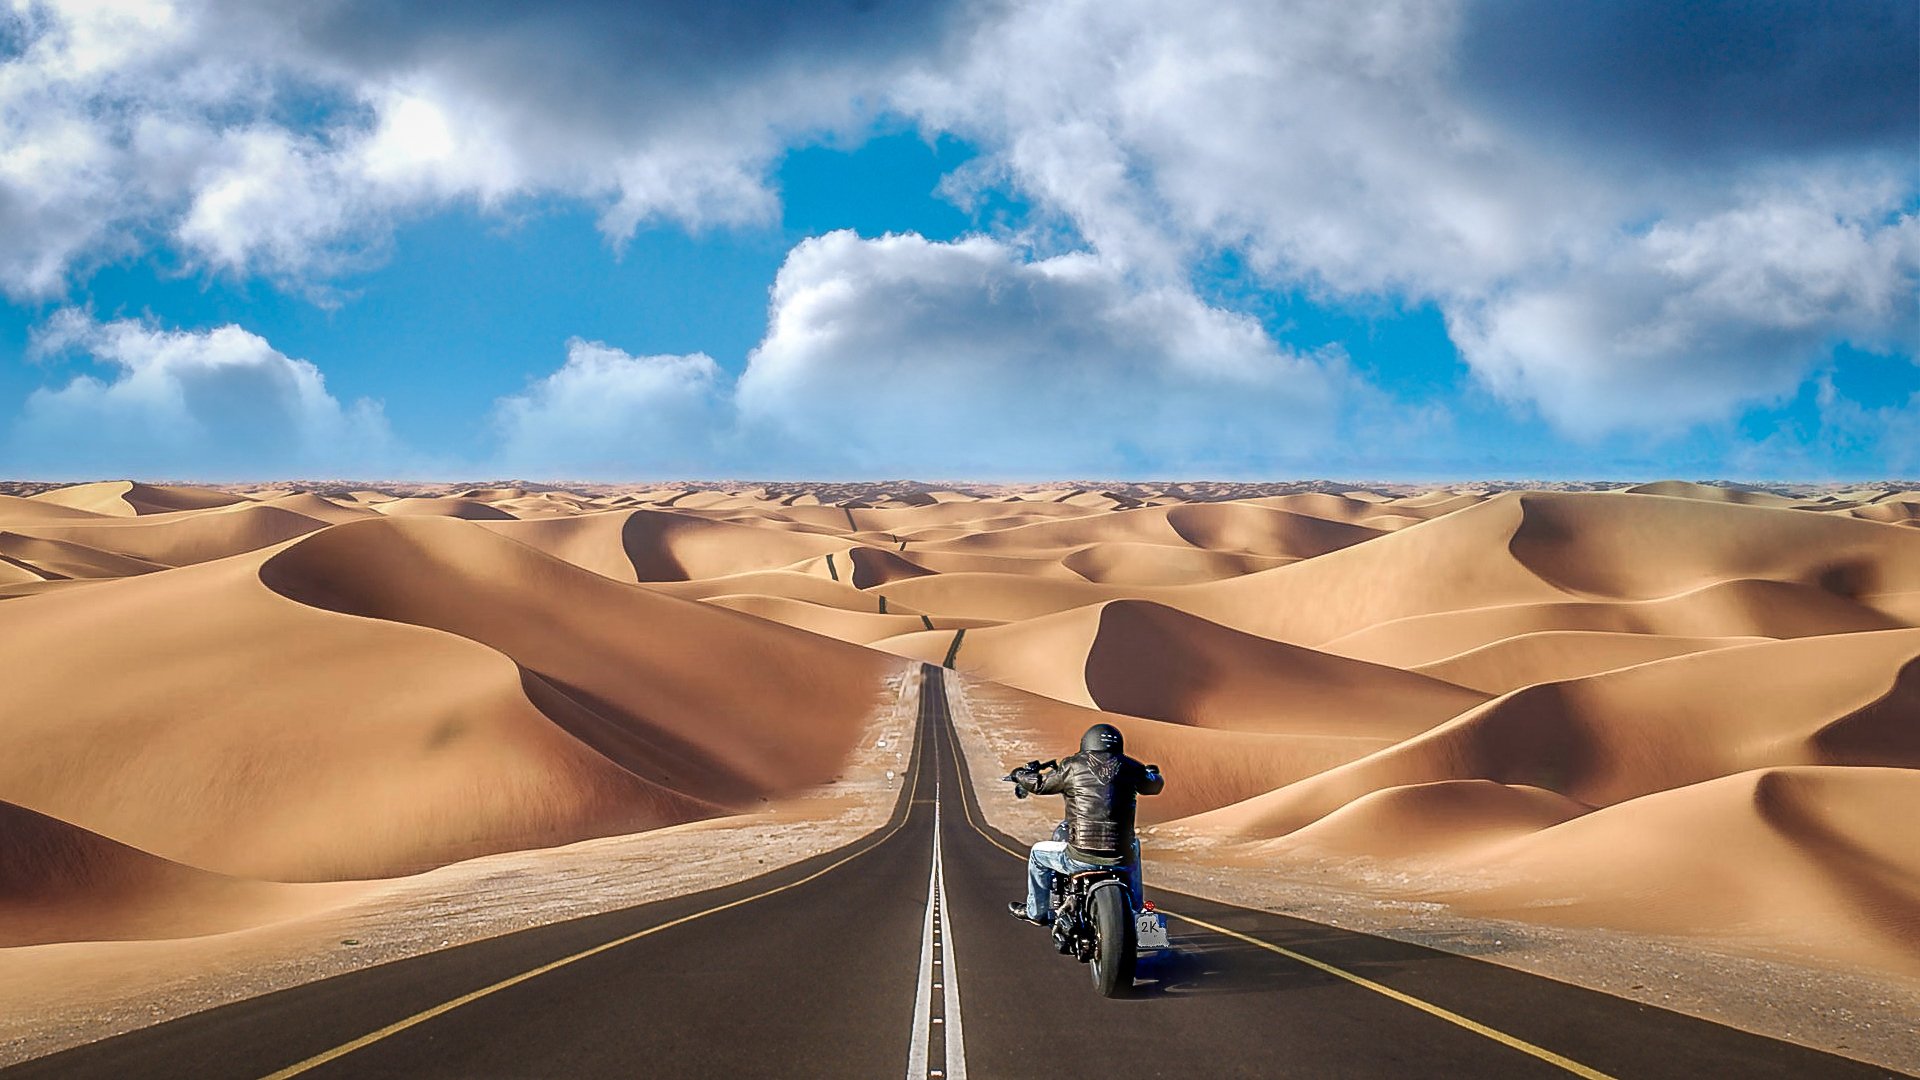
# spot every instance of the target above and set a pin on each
(1109, 883)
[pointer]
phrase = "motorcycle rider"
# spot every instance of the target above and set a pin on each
(1100, 784)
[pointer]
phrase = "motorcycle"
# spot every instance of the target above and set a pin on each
(1094, 919)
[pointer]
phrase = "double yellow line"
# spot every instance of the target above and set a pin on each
(1427, 1007)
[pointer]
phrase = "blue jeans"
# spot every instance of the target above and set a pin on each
(1049, 857)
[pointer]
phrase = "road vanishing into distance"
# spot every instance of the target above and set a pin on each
(895, 957)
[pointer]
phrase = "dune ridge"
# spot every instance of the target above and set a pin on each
(59, 882)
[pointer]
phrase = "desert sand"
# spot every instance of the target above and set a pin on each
(1674, 709)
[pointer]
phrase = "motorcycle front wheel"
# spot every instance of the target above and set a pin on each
(1113, 949)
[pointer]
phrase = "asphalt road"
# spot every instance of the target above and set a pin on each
(895, 957)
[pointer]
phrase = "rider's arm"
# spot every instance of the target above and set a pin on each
(1151, 782)
(1040, 779)
(1053, 782)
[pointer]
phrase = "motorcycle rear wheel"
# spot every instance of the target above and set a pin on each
(1114, 946)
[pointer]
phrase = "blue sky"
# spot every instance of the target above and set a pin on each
(1410, 242)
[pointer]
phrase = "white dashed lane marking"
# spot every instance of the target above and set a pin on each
(937, 1049)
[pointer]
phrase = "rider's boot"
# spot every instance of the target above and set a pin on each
(1018, 909)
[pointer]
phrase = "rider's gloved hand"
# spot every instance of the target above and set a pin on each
(1023, 778)
(1153, 772)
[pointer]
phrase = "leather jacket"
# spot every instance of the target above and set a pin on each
(1100, 788)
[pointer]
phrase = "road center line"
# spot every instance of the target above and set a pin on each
(937, 971)
(956, 1043)
(923, 987)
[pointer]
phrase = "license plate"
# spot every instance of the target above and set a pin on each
(1150, 930)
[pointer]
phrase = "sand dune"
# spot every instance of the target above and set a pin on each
(177, 539)
(859, 627)
(533, 703)
(1148, 525)
(1556, 655)
(1741, 608)
(320, 508)
(1903, 511)
(59, 882)
(469, 509)
(1157, 564)
(1454, 562)
(1218, 528)
(1436, 818)
(1023, 567)
(1719, 493)
(1005, 597)
(969, 514)
(1150, 660)
(14, 508)
(1519, 549)
(51, 560)
(1679, 708)
(622, 652)
(813, 587)
(1327, 507)
(1610, 738)
(1597, 545)
(1147, 660)
(1818, 860)
(385, 749)
(666, 546)
(126, 498)
(14, 573)
(1276, 533)
(869, 567)
(1216, 768)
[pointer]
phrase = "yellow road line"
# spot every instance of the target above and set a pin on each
(444, 1007)
(1450, 1017)
(1428, 1007)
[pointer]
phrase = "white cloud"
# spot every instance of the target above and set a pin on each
(1355, 149)
(904, 355)
(287, 140)
(1675, 326)
(901, 355)
(609, 414)
(1319, 135)
(206, 404)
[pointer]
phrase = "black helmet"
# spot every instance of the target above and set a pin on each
(1102, 737)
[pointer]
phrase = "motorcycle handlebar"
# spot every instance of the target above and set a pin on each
(1034, 766)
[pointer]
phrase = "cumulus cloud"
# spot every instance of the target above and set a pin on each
(901, 353)
(1607, 215)
(286, 139)
(1730, 308)
(211, 404)
(606, 413)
